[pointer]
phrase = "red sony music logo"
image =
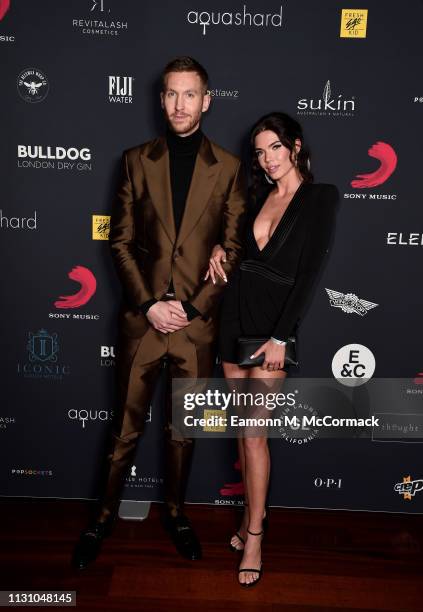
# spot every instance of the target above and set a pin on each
(387, 157)
(88, 285)
(4, 7)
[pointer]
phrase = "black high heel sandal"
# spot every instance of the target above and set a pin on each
(265, 526)
(256, 570)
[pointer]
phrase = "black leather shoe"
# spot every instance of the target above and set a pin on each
(183, 536)
(89, 545)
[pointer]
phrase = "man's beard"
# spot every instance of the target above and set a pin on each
(182, 128)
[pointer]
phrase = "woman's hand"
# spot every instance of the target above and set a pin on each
(274, 356)
(217, 256)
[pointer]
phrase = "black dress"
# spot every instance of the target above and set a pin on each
(267, 294)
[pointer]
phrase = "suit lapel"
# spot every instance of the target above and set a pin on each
(157, 175)
(206, 172)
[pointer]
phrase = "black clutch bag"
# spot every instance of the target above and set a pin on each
(247, 346)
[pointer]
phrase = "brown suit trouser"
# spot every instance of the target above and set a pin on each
(139, 361)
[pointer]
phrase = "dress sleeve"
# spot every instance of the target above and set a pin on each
(320, 227)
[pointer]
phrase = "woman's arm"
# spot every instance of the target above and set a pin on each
(320, 227)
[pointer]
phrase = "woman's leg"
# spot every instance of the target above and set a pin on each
(232, 370)
(257, 470)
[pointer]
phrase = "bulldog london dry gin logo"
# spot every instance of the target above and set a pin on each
(32, 85)
(353, 365)
(349, 302)
(328, 105)
(54, 157)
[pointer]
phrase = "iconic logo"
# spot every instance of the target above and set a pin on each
(326, 105)
(353, 23)
(349, 302)
(101, 227)
(42, 346)
(388, 162)
(120, 89)
(353, 365)
(88, 283)
(408, 488)
(205, 19)
(4, 7)
(43, 350)
(32, 85)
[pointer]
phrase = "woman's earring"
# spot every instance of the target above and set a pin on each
(268, 179)
(308, 163)
(296, 161)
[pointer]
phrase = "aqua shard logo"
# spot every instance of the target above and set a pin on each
(42, 346)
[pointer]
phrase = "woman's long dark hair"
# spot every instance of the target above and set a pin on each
(288, 131)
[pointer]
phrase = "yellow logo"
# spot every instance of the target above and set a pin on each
(101, 227)
(215, 420)
(353, 23)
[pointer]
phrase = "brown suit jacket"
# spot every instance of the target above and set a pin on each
(146, 251)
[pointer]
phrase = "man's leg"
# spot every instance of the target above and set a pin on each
(186, 360)
(139, 362)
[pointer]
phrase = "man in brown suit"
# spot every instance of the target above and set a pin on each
(179, 196)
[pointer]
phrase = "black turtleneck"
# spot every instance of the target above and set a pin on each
(182, 155)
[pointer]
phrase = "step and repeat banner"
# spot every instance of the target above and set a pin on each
(81, 83)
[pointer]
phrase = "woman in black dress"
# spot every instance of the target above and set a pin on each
(287, 236)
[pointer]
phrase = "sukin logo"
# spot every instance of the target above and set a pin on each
(4, 7)
(244, 18)
(101, 26)
(387, 157)
(52, 157)
(88, 283)
(43, 360)
(408, 488)
(353, 365)
(32, 85)
(18, 222)
(349, 302)
(120, 89)
(327, 106)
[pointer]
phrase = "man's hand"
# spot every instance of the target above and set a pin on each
(167, 316)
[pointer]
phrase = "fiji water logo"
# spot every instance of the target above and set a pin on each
(327, 105)
(387, 159)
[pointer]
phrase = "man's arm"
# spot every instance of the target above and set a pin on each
(121, 239)
(208, 294)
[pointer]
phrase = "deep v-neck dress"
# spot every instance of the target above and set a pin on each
(267, 295)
